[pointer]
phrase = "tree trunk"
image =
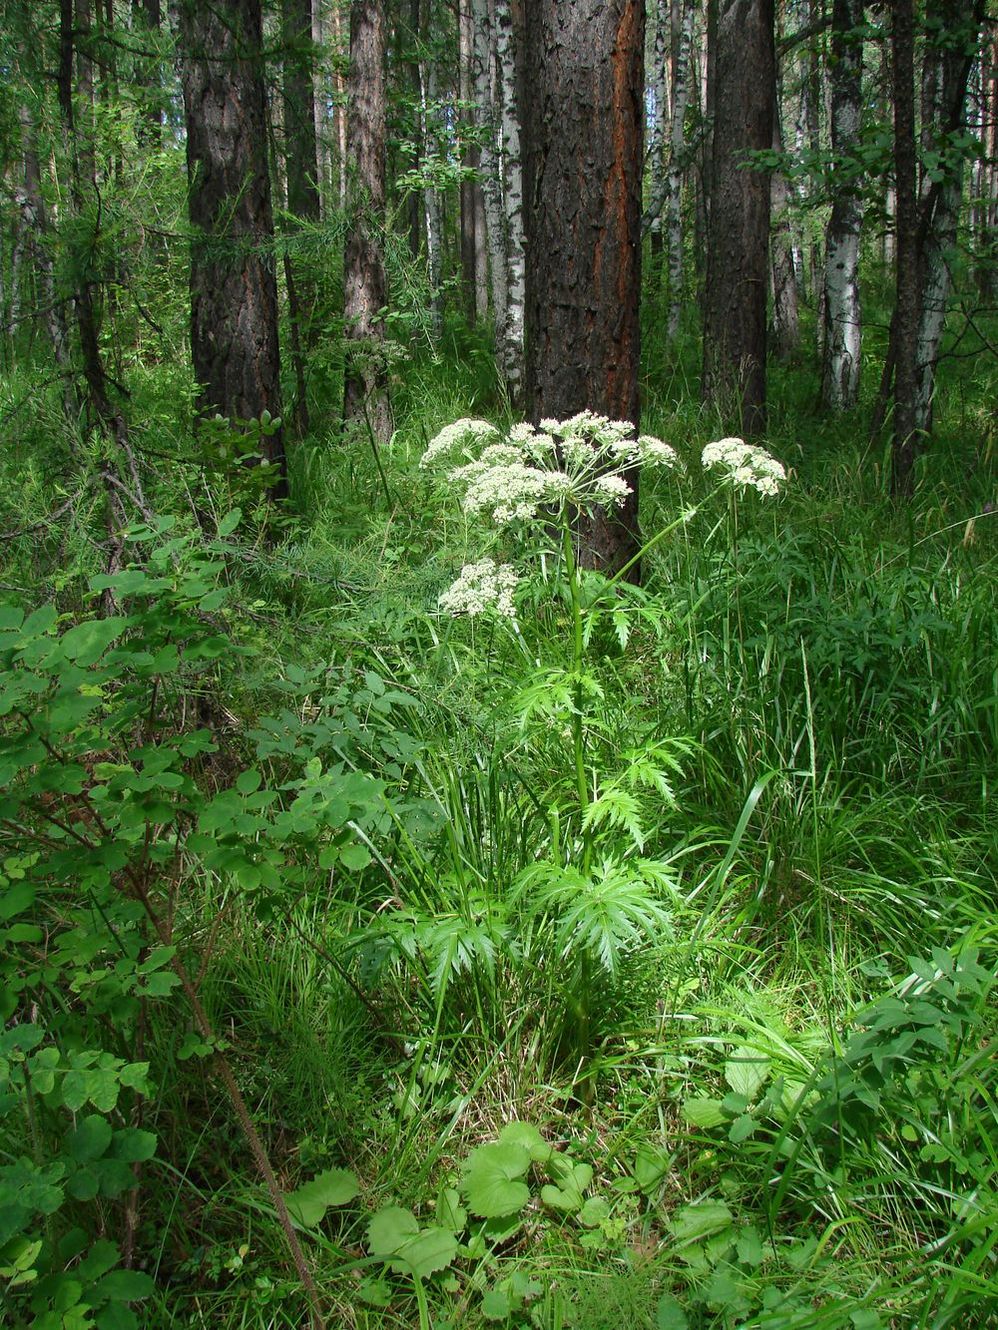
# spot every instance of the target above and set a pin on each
(682, 43)
(365, 288)
(786, 326)
(951, 48)
(510, 347)
(908, 277)
(842, 321)
(469, 161)
(234, 340)
(734, 361)
(583, 117)
(491, 166)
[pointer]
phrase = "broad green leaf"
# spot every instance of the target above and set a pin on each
(355, 857)
(86, 642)
(746, 1072)
(526, 1135)
(690, 1223)
(594, 1211)
(449, 1210)
(491, 1182)
(704, 1112)
(669, 1314)
(308, 1204)
(431, 1249)
(132, 1145)
(90, 1139)
(124, 1286)
(496, 1304)
(389, 1228)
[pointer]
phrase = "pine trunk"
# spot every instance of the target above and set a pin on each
(583, 117)
(234, 340)
(365, 287)
(734, 365)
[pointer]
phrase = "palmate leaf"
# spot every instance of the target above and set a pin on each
(394, 1234)
(308, 1203)
(492, 1181)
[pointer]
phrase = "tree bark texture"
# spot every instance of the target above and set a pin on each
(583, 116)
(365, 286)
(951, 48)
(842, 337)
(907, 279)
(300, 153)
(734, 361)
(234, 339)
(509, 23)
(786, 323)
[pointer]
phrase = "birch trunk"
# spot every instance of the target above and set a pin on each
(491, 166)
(682, 15)
(510, 347)
(842, 313)
(431, 196)
(946, 71)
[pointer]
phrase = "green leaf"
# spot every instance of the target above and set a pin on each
(747, 1073)
(704, 1112)
(595, 1210)
(389, 1228)
(496, 1304)
(308, 1204)
(526, 1135)
(449, 1210)
(651, 1163)
(355, 857)
(16, 898)
(690, 1223)
(247, 782)
(432, 1249)
(124, 1286)
(86, 642)
(132, 1145)
(491, 1182)
(90, 1139)
(229, 522)
(669, 1314)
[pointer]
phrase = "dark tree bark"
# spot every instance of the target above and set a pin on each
(301, 171)
(583, 119)
(905, 329)
(234, 340)
(734, 357)
(301, 159)
(365, 287)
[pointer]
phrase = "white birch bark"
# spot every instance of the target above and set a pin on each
(682, 15)
(491, 164)
(842, 314)
(431, 196)
(509, 345)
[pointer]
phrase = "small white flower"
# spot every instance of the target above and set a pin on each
(462, 432)
(610, 490)
(745, 464)
(654, 452)
(482, 587)
(511, 492)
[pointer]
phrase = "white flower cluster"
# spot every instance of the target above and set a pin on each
(482, 586)
(746, 464)
(462, 434)
(580, 462)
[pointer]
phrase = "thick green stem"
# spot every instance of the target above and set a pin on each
(578, 739)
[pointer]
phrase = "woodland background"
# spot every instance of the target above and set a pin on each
(628, 961)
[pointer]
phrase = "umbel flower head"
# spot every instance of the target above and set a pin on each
(577, 464)
(481, 587)
(745, 464)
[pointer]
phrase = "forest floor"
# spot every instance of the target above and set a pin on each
(709, 1042)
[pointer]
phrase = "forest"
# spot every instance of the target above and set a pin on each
(498, 664)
